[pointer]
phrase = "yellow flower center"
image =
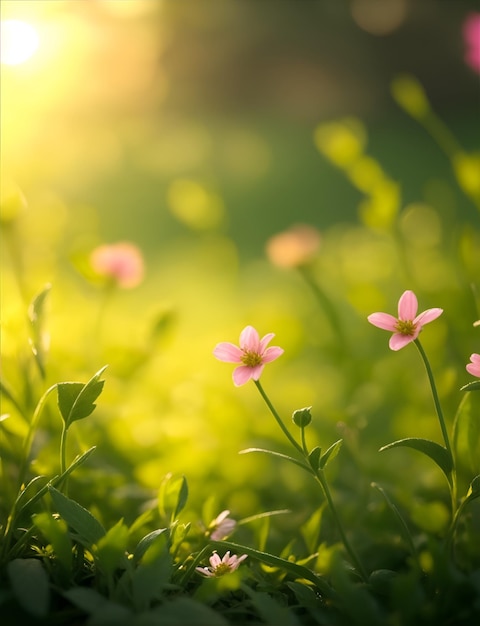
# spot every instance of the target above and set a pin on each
(251, 359)
(222, 569)
(405, 327)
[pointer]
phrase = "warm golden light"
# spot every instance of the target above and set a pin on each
(19, 41)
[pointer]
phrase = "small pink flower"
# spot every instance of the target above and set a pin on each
(121, 262)
(220, 567)
(253, 354)
(473, 367)
(222, 526)
(471, 38)
(408, 325)
(294, 247)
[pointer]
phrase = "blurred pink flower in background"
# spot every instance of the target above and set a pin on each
(471, 39)
(473, 367)
(222, 526)
(408, 325)
(253, 354)
(121, 262)
(294, 247)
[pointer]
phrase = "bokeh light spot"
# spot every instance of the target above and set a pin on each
(19, 41)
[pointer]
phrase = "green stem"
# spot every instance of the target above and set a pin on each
(438, 408)
(278, 418)
(63, 455)
(31, 431)
(436, 400)
(319, 475)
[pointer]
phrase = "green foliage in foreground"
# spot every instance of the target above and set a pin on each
(115, 536)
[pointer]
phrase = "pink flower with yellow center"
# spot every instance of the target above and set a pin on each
(473, 367)
(220, 567)
(252, 354)
(121, 262)
(407, 326)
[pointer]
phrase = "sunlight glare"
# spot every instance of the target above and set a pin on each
(19, 41)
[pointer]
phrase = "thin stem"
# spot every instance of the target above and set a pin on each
(63, 454)
(31, 431)
(438, 408)
(278, 418)
(319, 475)
(436, 400)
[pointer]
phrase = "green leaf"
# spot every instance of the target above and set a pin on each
(87, 528)
(110, 550)
(297, 571)
(153, 573)
(183, 611)
(271, 612)
(474, 489)
(144, 543)
(472, 386)
(172, 496)
(101, 610)
(331, 453)
(29, 583)
(77, 400)
(436, 452)
(55, 532)
(278, 454)
(40, 340)
(314, 458)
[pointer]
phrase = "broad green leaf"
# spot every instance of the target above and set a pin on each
(436, 452)
(314, 458)
(278, 454)
(101, 610)
(40, 340)
(87, 528)
(30, 586)
(311, 529)
(144, 543)
(297, 571)
(81, 458)
(466, 432)
(153, 573)
(110, 550)
(331, 453)
(172, 496)
(77, 400)
(55, 532)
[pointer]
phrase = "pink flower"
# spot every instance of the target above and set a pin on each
(473, 368)
(253, 354)
(294, 247)
(471, 38)
(220, 567)
(120, 262)
(408, 325)
(222, 526)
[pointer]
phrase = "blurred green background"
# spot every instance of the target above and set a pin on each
(197, 131)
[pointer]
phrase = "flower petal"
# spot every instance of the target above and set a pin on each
(256, 372)
(398, 341)
(265, 341)
(473, 368)
(271, 354)
(215, 560)
(250, 339)
(407, 306)
(228, 352)
(242, 375)
(427, 316)
(383, 320)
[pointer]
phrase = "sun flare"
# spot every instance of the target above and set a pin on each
(19, 41)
